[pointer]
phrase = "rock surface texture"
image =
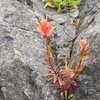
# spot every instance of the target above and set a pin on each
(22, 62)
(89, 80)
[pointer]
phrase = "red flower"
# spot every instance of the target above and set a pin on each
(44, 27)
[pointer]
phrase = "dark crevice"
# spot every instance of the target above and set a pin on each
(78, 30)
(71, 49)
(1, 94)
(86, 25)
(9, 38)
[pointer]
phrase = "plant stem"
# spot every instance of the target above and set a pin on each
(66, 94)
(49, 55)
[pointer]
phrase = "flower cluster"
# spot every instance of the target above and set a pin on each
(44, 27)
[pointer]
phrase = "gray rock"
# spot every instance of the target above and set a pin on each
(89, 29)
(22, 62)
(74, 14)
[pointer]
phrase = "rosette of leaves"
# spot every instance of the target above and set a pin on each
(59, 4)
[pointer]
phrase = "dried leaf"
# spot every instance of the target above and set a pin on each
(66, 64)
(49, 4)
(55, 78)
(61, 82)
(83, 58)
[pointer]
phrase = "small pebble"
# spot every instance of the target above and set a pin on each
(74, 14)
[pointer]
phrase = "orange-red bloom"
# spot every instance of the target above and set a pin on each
(44, 27)
(84, 51)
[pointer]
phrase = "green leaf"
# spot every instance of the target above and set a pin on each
(70, 96)
(66, 95)
(64, 3)
(73, 3)
(59, 4)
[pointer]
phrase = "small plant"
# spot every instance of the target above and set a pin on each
(64, 77)
(59, 4)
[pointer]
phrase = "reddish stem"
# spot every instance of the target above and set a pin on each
(50, 59)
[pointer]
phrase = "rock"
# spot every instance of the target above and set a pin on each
(74, 14)
(60, 18)
(22, 63)
(89, 29)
